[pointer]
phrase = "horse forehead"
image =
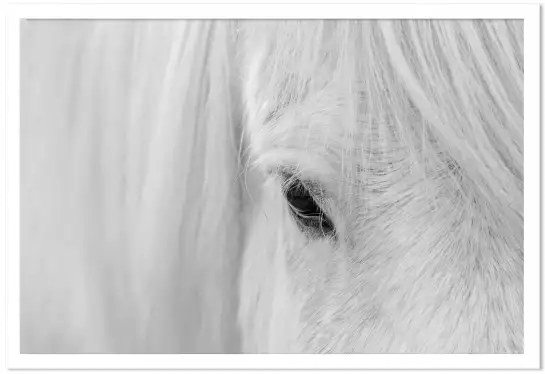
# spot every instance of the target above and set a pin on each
(273, 88)
(298, 106)
(284, 61)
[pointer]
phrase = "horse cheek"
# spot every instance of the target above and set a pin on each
(269, 311)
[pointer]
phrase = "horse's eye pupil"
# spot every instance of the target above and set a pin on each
(306, 211)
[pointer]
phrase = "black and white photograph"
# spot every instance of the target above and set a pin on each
(273, 186)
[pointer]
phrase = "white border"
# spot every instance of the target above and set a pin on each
(531, 15)
(213, 10)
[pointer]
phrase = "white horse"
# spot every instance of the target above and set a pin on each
(272, 186)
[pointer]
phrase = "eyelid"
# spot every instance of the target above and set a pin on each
(289, 176)
(321, 197)
(317, 192)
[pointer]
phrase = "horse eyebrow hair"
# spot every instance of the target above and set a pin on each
(274, 115)
(278, 111)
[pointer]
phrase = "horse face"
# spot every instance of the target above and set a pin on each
(355, 246)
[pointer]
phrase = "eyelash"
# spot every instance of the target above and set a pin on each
(306, 211)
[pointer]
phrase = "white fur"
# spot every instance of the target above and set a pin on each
(426, 178)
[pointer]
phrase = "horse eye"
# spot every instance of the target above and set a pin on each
(306, 212)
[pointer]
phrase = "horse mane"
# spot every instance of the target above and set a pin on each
(139, 200)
